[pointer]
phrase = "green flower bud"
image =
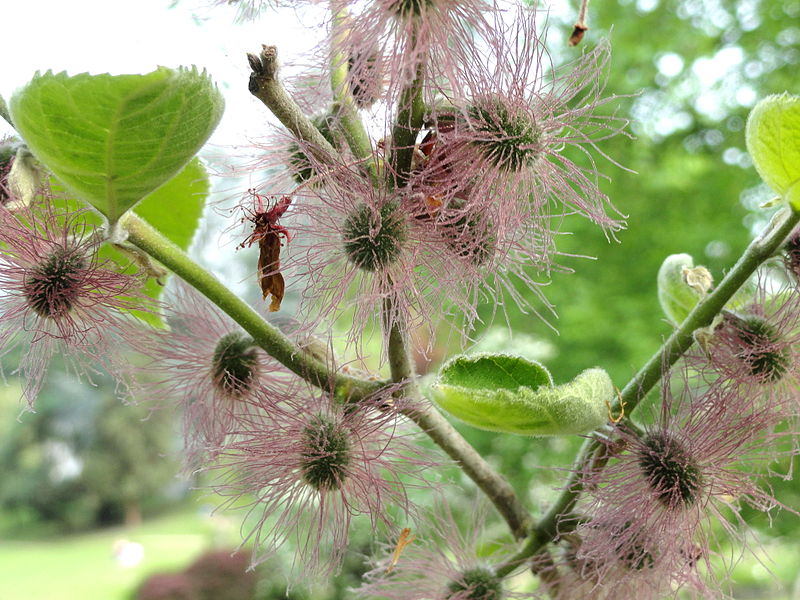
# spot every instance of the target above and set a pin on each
(374, 237)
(326, 454)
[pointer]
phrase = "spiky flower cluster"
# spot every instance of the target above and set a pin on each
(651, 514)
(304, 463)
(307, 466)
(440, 563)
(463, 204)
(214, 372)
(59, 297)
(650, 517)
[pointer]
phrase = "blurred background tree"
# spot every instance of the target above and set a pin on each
(85, 460)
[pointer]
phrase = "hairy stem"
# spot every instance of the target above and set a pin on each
(265, 86)
(494, 485)
(347, 112)
(277, 345)
(410, 117)
(759, 250)
(594, 454)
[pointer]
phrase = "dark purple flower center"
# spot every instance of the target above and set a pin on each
(478, 583)
(326, 454)
(671, 471)
(762, 352)
(406, 8)
(508, 138)
(792, 254)
(235, 363)
(52, 287)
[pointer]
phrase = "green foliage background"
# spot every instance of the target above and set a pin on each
(693, 191)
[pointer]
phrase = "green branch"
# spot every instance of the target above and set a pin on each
(759, 250)
(265, 86)
(444, 435)
(593, 454)
(347, 112)
(277, 345)
(410, 117)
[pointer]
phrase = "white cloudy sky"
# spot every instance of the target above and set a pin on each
(136, 36)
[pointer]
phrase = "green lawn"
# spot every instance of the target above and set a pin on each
(82, 567)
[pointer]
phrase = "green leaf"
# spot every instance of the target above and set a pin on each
(773, 141)
(513, 395)
(114, 139)
(176, 207)
(507, 371)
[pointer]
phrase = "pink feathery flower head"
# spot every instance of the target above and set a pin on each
(357, 246)
(649, 516)
(512, 131)
(215, 372)
(283, 163)
(58, 297)
(391, 41)
(439, 561)
(791, 255)
(313, 464)
(753, 349)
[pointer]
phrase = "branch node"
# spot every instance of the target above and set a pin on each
(577, 34)
(264, 67)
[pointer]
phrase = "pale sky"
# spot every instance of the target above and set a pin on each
(101, 36)
(136, 36)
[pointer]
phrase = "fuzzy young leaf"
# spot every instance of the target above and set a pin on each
(114, 139)
(681, 286)
(490, 371)
(514, 395)
(773, 141)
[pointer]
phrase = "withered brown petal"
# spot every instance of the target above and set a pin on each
(270, 278)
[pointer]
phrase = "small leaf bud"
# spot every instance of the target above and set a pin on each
(681, 286)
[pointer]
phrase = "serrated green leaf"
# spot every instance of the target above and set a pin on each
(773, 141)
(513, 395)
(114, 139)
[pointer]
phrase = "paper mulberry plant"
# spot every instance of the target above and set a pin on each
(426, 163)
